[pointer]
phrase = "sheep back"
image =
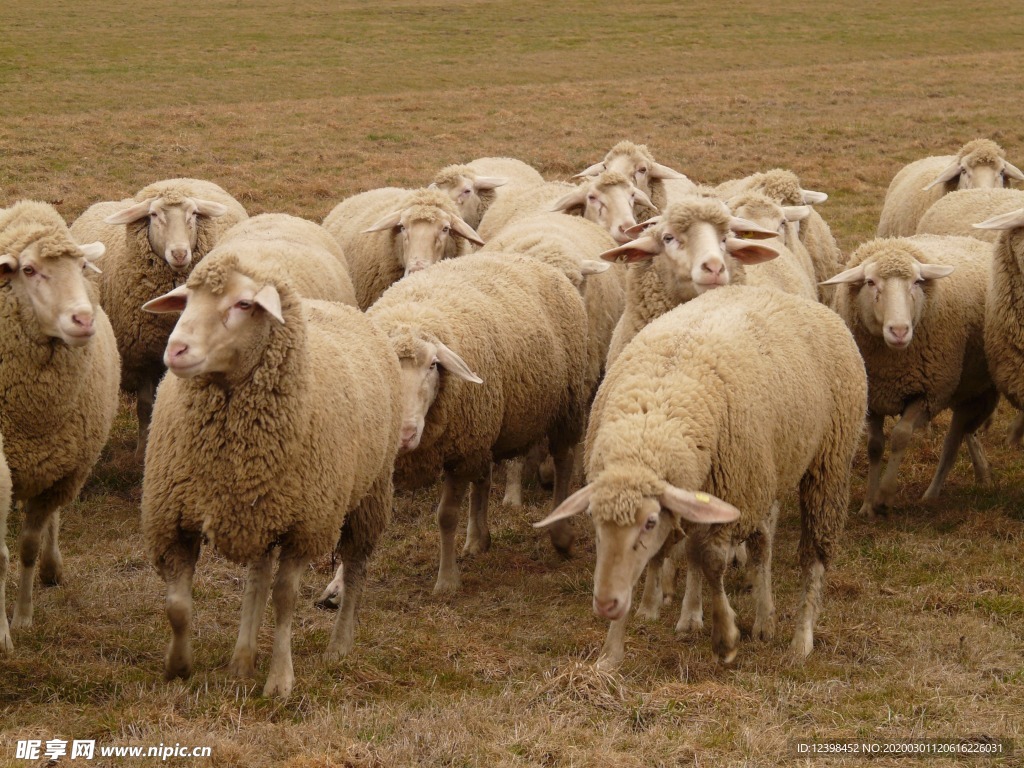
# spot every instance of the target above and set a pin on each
(518, 203)
(1004, 316)
(958, 212)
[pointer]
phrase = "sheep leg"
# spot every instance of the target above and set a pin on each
(254, 601)
(478, 534)
(330, 598)
(691, 613)
(51, 564)
(760, 547)
(37, 516)
(670, 570)
(650, 603)
(1016, 433)
(562, 533)
(6, 646)
(178, 567)
(614, 649)
(286, 592)
(725, 635)
(876, 449)
(967, 419)
(452, 494)
(513, 482)
(914, 416)
(144, 398)
(982, 470)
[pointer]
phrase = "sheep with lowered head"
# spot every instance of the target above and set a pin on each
(389, 233)
(634, 161)
(58, 380)
(277, 430)
(474, 186)
(152, 241)
(980, 164)
(694, 431)
(916, 307)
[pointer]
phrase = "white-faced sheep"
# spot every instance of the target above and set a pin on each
(389, 233)
(980, 164)
(690, 250)
(168, 227)
(493, 354)
(474, 186)
(694, 431)
(958, 212)
(6, 646)
(277, 430)
(916, 307)
(634, 161)
(607, 199)
(59, 378)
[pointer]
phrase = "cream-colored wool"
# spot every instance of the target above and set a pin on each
(958, 212)
(460, 182)
(1004, 316)
(57, 402)
(6, 646)
(660, 183)
(906, 200)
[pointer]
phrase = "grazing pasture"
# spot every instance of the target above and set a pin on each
(293, 106)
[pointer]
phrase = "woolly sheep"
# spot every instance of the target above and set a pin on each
(916, 307)
(389, 233)
(694, 431)
(607, 199)
(59, 379)
(690, 250)
(168, 227)
(635, 161)
(493, 354)
(980, 164)
(278, 429)
(6, 646)
(958, 212)
(474, 186)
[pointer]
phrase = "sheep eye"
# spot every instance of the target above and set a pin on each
(591, 198)
(667, 238)
(243, 305)
(642, 169)
(650, 524)
(445, 229)
(28, 271)
(870, 283)
(433, 365)
(400, 228)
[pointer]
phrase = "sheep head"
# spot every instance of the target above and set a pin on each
(635, 162)
(980, 164)
(172, 224)
(472, 194)
(607, 200)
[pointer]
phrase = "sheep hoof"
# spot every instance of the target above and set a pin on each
(178, 665)
(242, 665)
(867, 510)
(279, 686)
(726, 658)
(513, 499)
(51, 573)
(6, 644)
(330, 600)
(562, 539)
(21, 621)
(446, 585)
(477, 546)
(648, 612)
(608, 663)
(801, 647)
(764, 629)
(690, 623)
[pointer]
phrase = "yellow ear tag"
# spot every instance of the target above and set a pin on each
(702, 497)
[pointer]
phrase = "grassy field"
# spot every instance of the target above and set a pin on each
(294, 106)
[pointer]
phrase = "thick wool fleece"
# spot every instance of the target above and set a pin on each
(958, 212)
(519, 203)
(282, 457)
(518, 324)
(656, 189)
(374, 258)
(744, 393)
(562, 242)
(945, 362)
(133, 274)
(57, 403)
(1004, 316)
(906, 201)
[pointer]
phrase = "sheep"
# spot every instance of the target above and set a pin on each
(690, 250)
(694, 432)
(634, 161)
(167, 227)
(607, 199)
(958, 212)
(58, 381)
(916, 307)
(980, 164)
(493, 354)
(278, 429)
(6, 646)
(389, 233)
(474, 186)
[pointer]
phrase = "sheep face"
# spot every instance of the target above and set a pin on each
(608, 201)
(890, 294)
(635, 163)
(52, 282)
(468, 192)
(172, 225)
(422, 362)
(220, 332)
(424, 235)
(771, 215)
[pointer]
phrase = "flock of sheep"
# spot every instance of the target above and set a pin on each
(711, 343)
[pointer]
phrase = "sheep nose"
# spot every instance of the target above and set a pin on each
(407, 436)
(180, 257)
(176, 349)
(606, 608)
(714, 267)
(83, 320)
(899, 332)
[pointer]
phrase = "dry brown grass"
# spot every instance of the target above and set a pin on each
(294, 106)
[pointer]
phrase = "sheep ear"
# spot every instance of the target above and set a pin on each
(948, 174)
(575, 199)
(594, 170)
(1010, 220)
(489, 182)
(748, 230)
(209, 208)
(796, 212)
(573, 505)
(8, 266)
(590, 267)
(851, 275)
(935, 271)
(748, 252)
(134, 213)
(1013, 171)
(699, 507)
(93, 251)
(455, 365)
(638, 229)
(388, 222)
(637, 250)
(659, 171)
(810, 197)
(462, 229)
(641, 197)
(172, 301)
(269, 299)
